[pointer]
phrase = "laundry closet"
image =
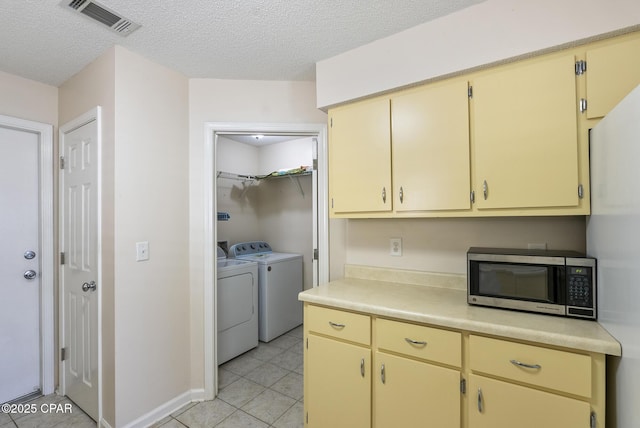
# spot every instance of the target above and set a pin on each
(265, 193)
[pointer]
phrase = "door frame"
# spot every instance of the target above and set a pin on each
(211, 131)
(47, 300)
(94, 114)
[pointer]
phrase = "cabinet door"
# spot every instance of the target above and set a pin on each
(612, 72)
(411, 393)
(496, 404)
(338, 390)
(360, 157)
(430, 145)
(525, 138)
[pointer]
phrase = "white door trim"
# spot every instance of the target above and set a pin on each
(47, 300)
(211, 131)
(91, 115)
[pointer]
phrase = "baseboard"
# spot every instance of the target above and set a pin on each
(166, 409)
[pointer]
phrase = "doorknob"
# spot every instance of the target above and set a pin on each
(30, 274)
(89, 286)
(29, 254)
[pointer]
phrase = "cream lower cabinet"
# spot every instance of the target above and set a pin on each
(513, 384)
(337, 372)
(409, 389)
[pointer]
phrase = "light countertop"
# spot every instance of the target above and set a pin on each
(447, 307)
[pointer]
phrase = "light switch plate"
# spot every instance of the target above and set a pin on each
(142, 251)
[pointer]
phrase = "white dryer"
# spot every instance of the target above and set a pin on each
(237, 306)
(280, 281)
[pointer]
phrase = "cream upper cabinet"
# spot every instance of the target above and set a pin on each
(525, 136)
(360, 157)
(430, 148)
(612, 71)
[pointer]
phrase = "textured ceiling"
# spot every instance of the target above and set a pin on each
(44, 40)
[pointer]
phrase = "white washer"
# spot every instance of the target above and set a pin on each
(280, 281)
(237, 306)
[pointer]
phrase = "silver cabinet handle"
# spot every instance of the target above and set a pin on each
(362, 367)
(384, 195)
(401, 194)
(383, 377)
(30, 274)
(89, 286)
(480, 401)
(415, 342)
(527, 366)
(485, 189)
(336, 325)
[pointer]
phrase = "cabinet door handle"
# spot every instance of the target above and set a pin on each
(401, 194)
(383, 377)
(480, 401)
(362, 367)
(415, 342)
(336, 325)
(384, 195)
(527, 366)
(485, 189)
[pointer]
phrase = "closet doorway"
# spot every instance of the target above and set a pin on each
(303, 182)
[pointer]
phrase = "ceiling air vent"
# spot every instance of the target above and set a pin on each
(103, 15)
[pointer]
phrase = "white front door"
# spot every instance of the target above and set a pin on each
(79, 274)
(19, 269)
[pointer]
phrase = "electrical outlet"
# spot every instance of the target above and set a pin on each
(396, 246)
(537, 246)
(142, 251)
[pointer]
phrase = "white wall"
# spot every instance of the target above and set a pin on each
(239, 199)
(491, 31)
(213, 100)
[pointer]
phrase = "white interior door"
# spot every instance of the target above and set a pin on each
(79, 274)
(19, 271)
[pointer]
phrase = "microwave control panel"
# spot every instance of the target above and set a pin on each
(579, 286)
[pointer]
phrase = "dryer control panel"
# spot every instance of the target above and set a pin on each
(248, 248)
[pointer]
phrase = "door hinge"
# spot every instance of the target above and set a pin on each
(582, 105)
(581, 67)
(307, 343)
(331, 123)
(307, 418)
(592, 420)
(315, 254)
(315, 164)
(62, 258)
(61, 162)
(473, 197)
(463, 386)
(470, 92)
(580, 191)
(63, 354)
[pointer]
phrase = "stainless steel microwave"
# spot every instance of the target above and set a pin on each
(546, 281)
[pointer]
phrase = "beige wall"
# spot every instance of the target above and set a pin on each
(440, 244)
(212, 100)
(27, 99)
(151, 204)
(491, 31)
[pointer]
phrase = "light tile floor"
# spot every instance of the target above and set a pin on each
(260, 388)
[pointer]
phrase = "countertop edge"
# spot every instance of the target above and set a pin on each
(575, 342)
